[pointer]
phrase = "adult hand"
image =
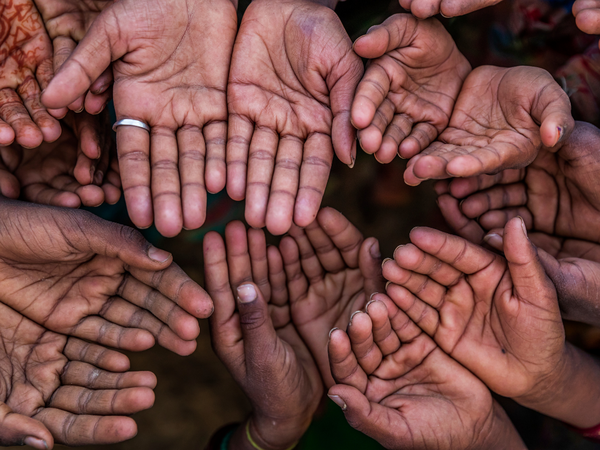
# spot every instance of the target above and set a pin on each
(411, 83)
(67, 22)
(253, 335)
(171, 75)
(501, 120)
(60, 173)
(82, 276)
(398, 387)
(25, 66)
(293, 76)
(55, 389)
(332, 271)
(587, 15)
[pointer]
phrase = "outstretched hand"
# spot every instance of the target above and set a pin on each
(55, 389)
(407, 94)
(501, 120)
(82, 276)
(293, 76)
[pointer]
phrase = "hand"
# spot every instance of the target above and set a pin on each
(293, 76)
(255, 338)
(25, 66)
(171, 75)
(60, 173)
(397, 386)
(79, 275)
(411, 83)
(495, 125)
(448, 8)
(64, 390)
(497, 317)
(587, 15)
(332, 271)
(67, 22)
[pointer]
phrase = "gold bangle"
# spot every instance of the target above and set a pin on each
(255, 445)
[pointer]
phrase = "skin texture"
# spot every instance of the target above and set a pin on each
(587, 15)
(25, 67)
(253, 335)
(398, 387)
(293, 76)
(406, 96)
(501, 120)
(448, 8)
(60, 173)
(78, 275)
(332, 271)
(55, 389)
(173, 77)
(67, 22)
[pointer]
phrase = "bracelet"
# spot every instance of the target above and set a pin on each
(593, 433)
(227, 438)
(255, 445)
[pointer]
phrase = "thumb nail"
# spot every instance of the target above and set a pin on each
(35, 443)
(374, 250)
(338, 401)
(246, 293)
(158, 255)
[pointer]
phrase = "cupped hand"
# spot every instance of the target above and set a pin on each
(67, 22)
(406, 96)
(253, 335)
(501, 120)
(293, 76)
(79, 275)
(332, 271)
(25, 67)
(497, 317)
(55, 389)
(60, 173)
(171, 75)
(398, 387)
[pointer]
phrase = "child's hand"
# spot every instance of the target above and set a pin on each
(397, 386)
(587, 15)
(253, 335)
(331, 270)
(406, 96)
(501, 119)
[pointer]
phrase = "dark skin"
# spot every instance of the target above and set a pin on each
(55, 389)
(79, 275)
(252, 333)
(397, 386)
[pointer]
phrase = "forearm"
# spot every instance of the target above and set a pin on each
(572, 395)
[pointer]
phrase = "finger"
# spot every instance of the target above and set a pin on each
(412, 258)
(383, 335)
(343, 363)
(346, 237)
(419, 139)
(552, 109)
(284, 186)
(29, 91)
(449, 8)
(46, 195)
(17, 429)
(191, 168)
(57, 192)
(7, 134)
(89, 376)
(328, 254)
(311, 265)
(422, 314)
(96, 355)
(215, 136)
(370, 94)
(133, 147)
(102, 331)
(314, 173)
(15, 115)
(587, 16)
(95, 104)
(360, 332)
(238, 254)
(9, 184)
(463, 187)
(498, 197)
(499, 218)
(393, 33)
(461, 224)
(277, 278)
(371, 137)
(420, 285)
(296, 280)
(369, 262)
(394, 135)
(239, 133)
(79, 400)
(257, 249)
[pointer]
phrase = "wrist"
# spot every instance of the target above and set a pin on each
(268, 434)
(501, 434)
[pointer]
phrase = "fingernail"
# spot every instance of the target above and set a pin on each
(494, 240)
(561, 133)
(351, 165)
(384, 261)
(158, 255)
(246, 293)
(396, 249)
(332, 330)
(523, 226)
(338, 401)
(387, 284)
(368, 303)
(352, 316)
(375, 253)
(80, 110)
(372, 295)
(37, 443)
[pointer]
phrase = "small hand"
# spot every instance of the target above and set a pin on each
(64, 390)
(82, 276)
(332, 271)
(171, 75)
(25, 66)
(406, 96)
(397, 386)
(293, 76)
(501, 120)
(255, 338)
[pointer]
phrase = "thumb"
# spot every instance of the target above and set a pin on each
(369, 262)
(17, 429)
(396, 32)
(552, 109)
(9, 184)
(258, 332)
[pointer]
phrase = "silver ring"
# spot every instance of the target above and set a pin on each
(130, 123)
